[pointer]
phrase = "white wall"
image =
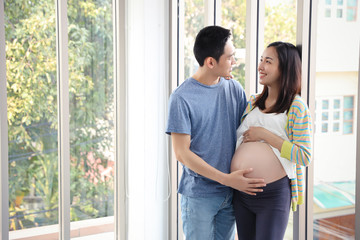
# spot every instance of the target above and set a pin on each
(335, 154)
(338, 42)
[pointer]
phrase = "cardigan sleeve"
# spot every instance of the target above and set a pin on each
(299, 130)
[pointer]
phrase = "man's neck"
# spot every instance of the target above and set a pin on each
(205, 77)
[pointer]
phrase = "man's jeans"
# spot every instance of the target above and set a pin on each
(208, 218)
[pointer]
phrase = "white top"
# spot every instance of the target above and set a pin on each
(274, 122)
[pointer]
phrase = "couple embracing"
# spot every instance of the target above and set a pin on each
(242, 160)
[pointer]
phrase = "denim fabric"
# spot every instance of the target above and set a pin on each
(210, 218)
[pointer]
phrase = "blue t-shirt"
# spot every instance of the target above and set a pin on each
(210, 115)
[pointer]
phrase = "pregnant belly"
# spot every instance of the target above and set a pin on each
(261, 158)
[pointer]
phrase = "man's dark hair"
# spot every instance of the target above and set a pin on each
(210, 42)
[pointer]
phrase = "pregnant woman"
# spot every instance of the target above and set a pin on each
(274, 139)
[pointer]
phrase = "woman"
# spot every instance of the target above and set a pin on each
(275, 140)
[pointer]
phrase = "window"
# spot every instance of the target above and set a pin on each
(352, 6)
(33, 121)
(85, 50)
(327, 12)
(348, 114)
(32, 114)
(341, 9)
(335, 93)
(328, 8)
(233, 18)
(284, 13)
(339, 13)
(91, 113)
(336, 115)
(194, 21)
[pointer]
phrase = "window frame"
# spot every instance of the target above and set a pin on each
(331, 110)
(119, 19)
(357, 180)
(306, 33)
(4, 161)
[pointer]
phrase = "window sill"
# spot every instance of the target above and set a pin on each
(78, 229)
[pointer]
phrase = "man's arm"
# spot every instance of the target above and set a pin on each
(236, 180)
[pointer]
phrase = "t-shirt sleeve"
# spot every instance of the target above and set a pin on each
(242, 103)
(178, 116)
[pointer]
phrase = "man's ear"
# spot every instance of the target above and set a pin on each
(210, 62)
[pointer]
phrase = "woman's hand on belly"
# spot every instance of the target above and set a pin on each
(257, 134)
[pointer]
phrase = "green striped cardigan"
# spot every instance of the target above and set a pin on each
(298, 149)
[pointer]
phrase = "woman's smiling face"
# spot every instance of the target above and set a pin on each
(269, 73)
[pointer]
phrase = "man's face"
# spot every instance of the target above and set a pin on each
(226, 61)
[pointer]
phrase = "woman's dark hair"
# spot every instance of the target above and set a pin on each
(210, 42)
(290, 78)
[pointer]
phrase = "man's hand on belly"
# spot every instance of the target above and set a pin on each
(238, 181)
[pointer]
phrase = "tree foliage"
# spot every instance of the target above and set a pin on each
(280, 23)
(31, 65)
(233, 17)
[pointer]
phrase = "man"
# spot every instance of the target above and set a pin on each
(204, 113)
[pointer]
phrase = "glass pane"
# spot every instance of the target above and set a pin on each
(325, 104)
(233, 17)
(340, 2)
(339, 13)
(348, 115)
(349, 102)
(283, 13)
(328, 2)
(334, 190)
(91, 116)
(348, 127)
(325, 116)
(280, 25)
(328, 12)
(194, 22)
(194, 17)
(351, 3)
(350, 14)
(324, 127)
(32, 115)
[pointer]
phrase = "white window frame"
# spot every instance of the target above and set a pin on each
(119, 18)
(319, 111)
(306, 38)
(254, 32)
(4, 161)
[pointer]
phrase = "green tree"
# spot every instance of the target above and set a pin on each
(194, 21)
(280, 22)
(233, 17)
(32, 106)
